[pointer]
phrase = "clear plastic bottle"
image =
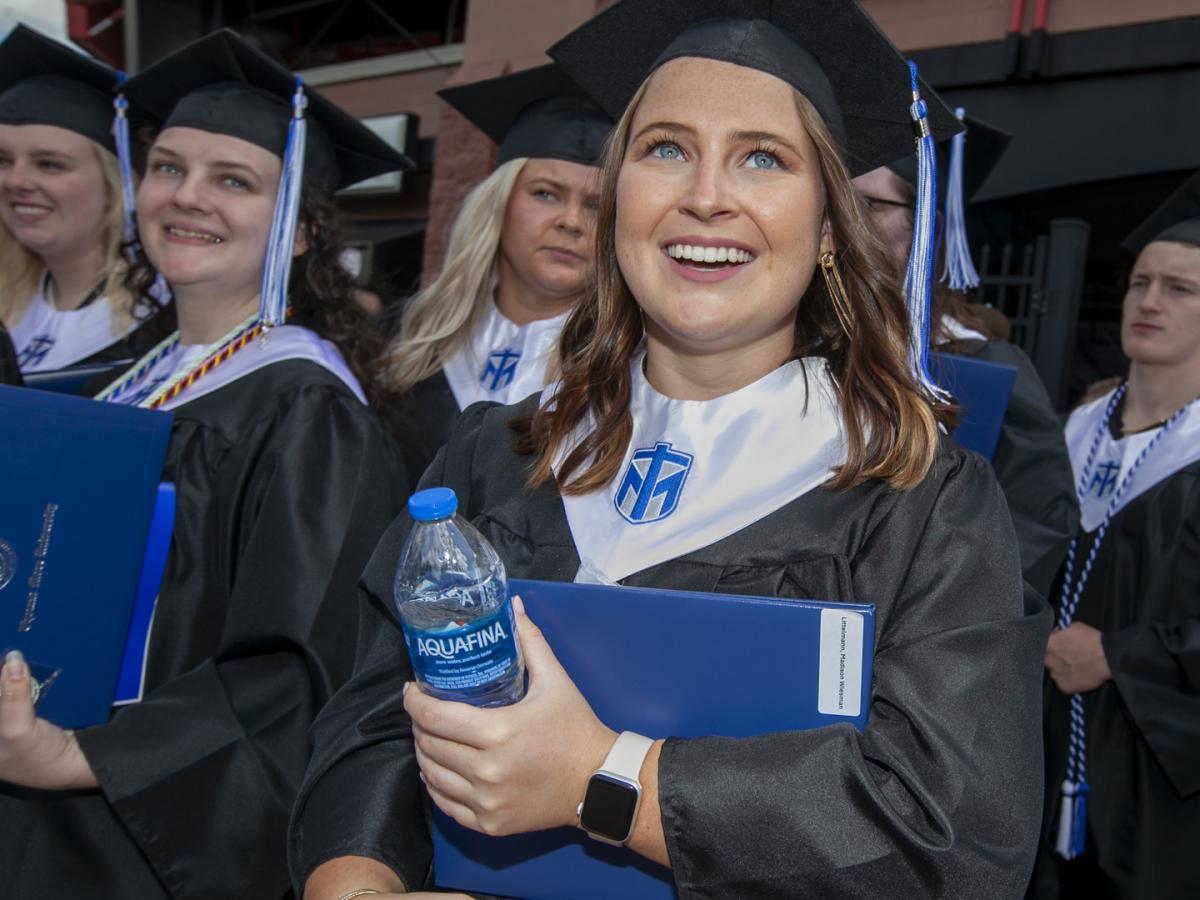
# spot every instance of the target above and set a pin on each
(452, 596)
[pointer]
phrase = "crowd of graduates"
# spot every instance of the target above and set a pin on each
(723, 245)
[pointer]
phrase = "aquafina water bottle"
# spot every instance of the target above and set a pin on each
(452, 596)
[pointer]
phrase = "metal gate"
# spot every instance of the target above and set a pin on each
(1037, 286)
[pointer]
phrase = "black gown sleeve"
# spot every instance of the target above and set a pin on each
(1033, 467)
(361, 795)
(202, 773)
(1156, 667)
(942, 794)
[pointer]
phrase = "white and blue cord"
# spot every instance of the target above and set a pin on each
(1072, 821)
(960, 268)
(273, 299)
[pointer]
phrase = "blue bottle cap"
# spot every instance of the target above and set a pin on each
(432, 504)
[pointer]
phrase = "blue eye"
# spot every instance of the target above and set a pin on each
(166, 168)
(761, 159)
(667, 150)
(234, 183)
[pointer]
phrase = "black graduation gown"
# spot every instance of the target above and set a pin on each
(941, 797)
(10, 372)
(427, 417)
(1143, 727)
(285, 482)
(1032, 465)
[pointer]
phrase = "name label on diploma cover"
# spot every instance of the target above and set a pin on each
(839, 678)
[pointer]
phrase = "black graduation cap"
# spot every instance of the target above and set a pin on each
(222, 84)
(1177, 220)
(43, 82)
(829, 50)
(985, 144)
(537, 112)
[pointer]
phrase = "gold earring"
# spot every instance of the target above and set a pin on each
(837, 292)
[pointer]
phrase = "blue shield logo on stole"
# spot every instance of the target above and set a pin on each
(501, 368)
(652, 484)
(35, 351)
(1104, 479)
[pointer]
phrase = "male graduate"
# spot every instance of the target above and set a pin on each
(1123, 696)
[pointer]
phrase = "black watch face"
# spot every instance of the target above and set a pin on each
(608, 807)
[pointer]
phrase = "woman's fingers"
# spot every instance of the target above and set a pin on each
(16, 698)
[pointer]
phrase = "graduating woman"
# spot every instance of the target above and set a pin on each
(1031, 459)
(285, 480)
(1123, 697)
(62, 219)
(519, 254)
(812, 466)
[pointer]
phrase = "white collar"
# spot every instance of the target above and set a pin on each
(954, 330)
(280, 344)
(503, 361)
(698, 471)
(1114, 458)
(47, 338)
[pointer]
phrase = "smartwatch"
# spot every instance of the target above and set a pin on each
(610, 804)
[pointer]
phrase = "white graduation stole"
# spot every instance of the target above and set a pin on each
(503, 361)
(697, 471)
(281, 343)
(47, 338)
(1180, 447)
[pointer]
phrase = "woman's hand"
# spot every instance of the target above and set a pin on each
(33, 752)
(515, 768)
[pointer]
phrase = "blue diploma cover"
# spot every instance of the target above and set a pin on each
(982, 390)
(79, 483)
(668, 663)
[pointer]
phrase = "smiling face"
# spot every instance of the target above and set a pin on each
(53, 196)
(720, 210)
(205, 209)
(1160, 323)
(546, 241)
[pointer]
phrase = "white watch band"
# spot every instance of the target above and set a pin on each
(627, 755)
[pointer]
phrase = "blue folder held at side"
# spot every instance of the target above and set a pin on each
(668, 663)
(78, 488)
(982, 390)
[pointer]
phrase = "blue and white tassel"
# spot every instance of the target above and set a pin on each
(960, 269)
(273, 297)
(1072, 809)
(918, 279)
(124, 158)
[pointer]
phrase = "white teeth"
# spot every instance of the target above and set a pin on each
(27, 210)
(708, 254)
(201, 235)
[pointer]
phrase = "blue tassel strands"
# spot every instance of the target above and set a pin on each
(960, 269)
(1072, 810)
(273, 297)
(124, 159)
(918, 278)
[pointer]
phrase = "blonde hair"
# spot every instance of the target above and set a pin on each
(438, 319)
(891, 424)
(21, 268)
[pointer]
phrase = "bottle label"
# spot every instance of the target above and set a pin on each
(467, 658)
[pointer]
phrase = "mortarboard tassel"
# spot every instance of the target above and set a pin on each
(273, 296)
(960, 269)
(124, 158)
(918, 278)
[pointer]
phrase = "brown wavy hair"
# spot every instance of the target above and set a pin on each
(321, 294)
(891, 424)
